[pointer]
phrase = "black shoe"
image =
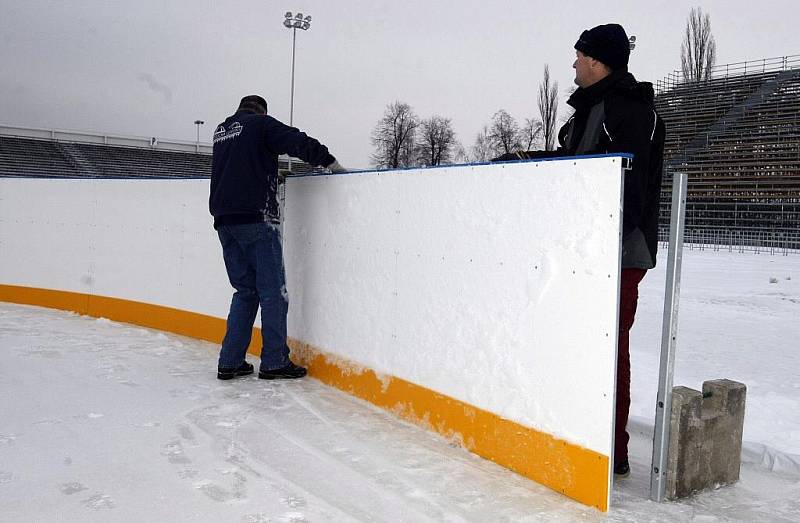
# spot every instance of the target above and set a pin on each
(622, 469)
(227, 374)
(289, 372)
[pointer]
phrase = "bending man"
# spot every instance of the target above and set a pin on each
(244, 203)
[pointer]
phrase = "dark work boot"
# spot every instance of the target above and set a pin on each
(289, 372)
(622, 469)
(226, 374)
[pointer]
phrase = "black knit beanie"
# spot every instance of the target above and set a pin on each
(607, 43)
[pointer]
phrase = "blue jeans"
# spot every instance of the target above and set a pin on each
(254, 261)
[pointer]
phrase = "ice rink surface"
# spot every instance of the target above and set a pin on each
(104, 421)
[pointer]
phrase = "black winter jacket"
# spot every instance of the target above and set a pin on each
(616, 115)
(244, 171)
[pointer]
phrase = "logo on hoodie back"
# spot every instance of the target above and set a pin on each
(222, 134)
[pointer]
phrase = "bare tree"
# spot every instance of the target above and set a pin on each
(460, 154)
(531, 133)
(504, 133)
(548, 109)
(436, 141)
(408, 151)
(482, 151)
(698, 50)
(393, 137)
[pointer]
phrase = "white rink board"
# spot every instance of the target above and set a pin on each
(150, 241)
(496, 285)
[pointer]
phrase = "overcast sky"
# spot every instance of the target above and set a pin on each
(150, 68)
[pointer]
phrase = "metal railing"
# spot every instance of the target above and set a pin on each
(60, 135)
(765, 65)
(781, 242)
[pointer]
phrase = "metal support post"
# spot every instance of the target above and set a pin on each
(669, 327)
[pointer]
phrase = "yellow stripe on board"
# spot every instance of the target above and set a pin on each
(167, 319)
(575, 471)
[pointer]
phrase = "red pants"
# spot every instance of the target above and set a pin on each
(629, 296)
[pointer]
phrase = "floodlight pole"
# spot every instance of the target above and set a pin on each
(198, 123)
(291, 95)
(294, 22)
(669, 332)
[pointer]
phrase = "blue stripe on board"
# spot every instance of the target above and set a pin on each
(535, 160)
(356, 171)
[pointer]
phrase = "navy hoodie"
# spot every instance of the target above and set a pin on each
(244, 171)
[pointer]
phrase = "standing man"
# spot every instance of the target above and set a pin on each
(244, 203)
(615, 114)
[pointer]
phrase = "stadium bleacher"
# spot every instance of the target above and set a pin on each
(29, 157)
(35, 153)
(737, 136)
(22, 157)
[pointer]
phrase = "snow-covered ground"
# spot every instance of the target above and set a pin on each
(738, 319)
(109, 422)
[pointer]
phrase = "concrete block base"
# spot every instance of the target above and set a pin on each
(705, 446)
